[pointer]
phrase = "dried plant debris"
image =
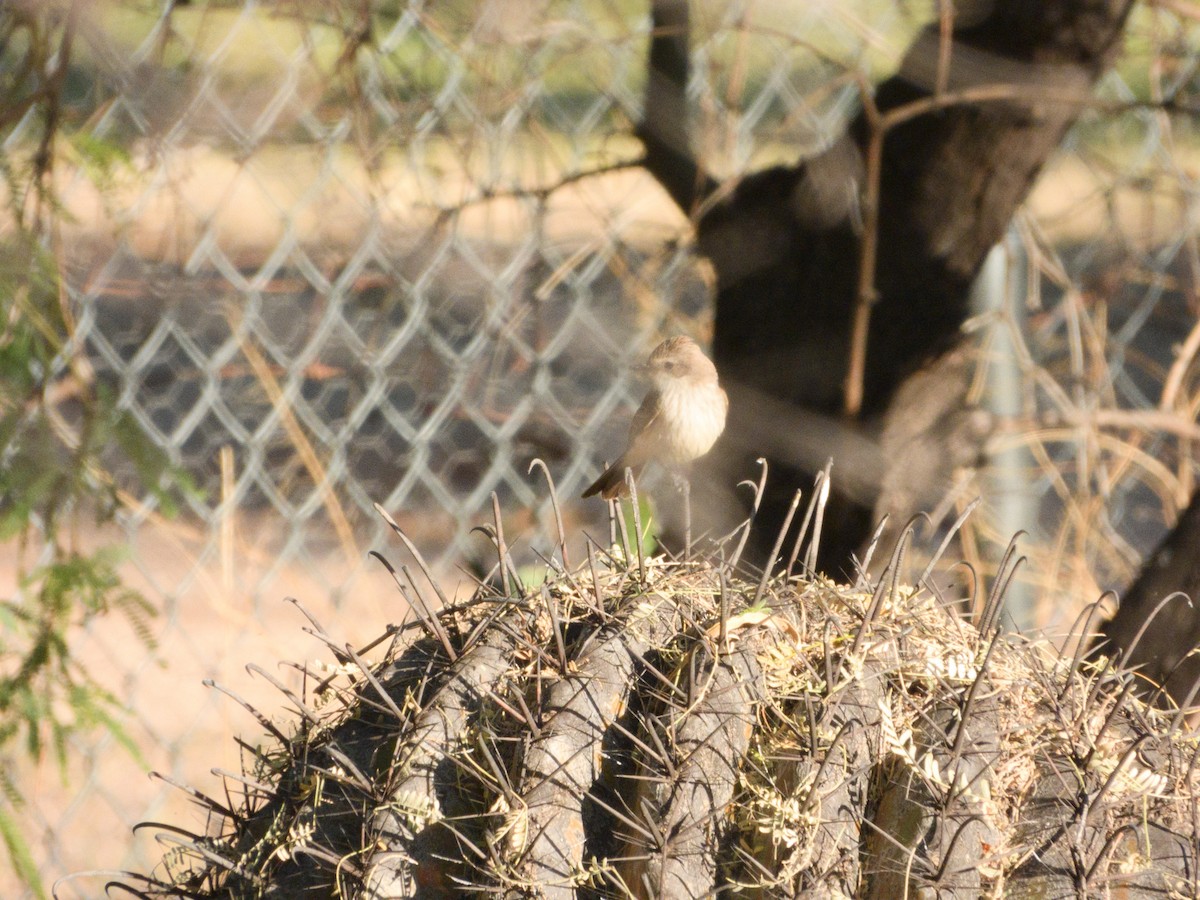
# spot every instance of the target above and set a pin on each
(668, 728)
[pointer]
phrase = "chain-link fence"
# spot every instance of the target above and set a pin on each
(329, 254)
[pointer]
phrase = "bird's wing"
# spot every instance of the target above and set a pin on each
(641, 429)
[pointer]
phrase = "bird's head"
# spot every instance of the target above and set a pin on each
(678, 360)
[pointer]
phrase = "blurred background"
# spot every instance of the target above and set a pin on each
(302, 256)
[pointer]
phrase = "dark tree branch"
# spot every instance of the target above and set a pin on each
(664, 127)
(1164, 654)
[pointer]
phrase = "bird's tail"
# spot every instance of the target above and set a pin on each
(611, 483)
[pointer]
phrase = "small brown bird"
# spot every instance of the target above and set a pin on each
(680, 419)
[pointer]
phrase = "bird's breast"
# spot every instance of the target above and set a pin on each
(693, 419)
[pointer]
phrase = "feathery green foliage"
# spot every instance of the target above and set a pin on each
(56, 425)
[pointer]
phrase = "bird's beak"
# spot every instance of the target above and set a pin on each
(643, 370)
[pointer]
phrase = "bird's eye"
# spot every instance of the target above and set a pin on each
(668, 365)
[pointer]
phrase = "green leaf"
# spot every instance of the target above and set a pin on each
(531, 577)
(98, 713)
(18, 851)
(100, 156)
(649, 535)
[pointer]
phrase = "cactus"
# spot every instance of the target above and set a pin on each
(657, 727)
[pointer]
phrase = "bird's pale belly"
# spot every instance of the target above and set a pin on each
(693, 419)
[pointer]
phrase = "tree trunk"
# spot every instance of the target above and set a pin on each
(795, 264)
(1160, 604)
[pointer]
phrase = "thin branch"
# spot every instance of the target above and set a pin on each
(866, 295)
